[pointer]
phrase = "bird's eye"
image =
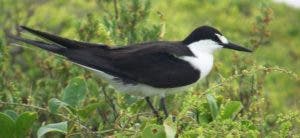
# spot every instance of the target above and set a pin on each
(222, 38)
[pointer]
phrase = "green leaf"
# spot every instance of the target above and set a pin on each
(11, 114)
(170, 128)
(231, 109)
(61, 127)
(7, 126)
(74, 93)
(93, 87)
(204, 118)
(153, 131)
(213, 106)
(87, 110)
(54, 104)
(24, 122)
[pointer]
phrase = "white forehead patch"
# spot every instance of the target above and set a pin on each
(222, 38)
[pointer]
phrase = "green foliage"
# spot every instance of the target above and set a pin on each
(19, 127)
(231, 109)
(74, 93)
(170, 128)
(153, 130)
(86, 111)
(55, 104)
(212, 103)
(61, 127)
(130, 20)
(1, 52)
(24, 122)
(11, 114)
(7, 126)
(246, 95)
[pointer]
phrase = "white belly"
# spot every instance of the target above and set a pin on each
(137, 89)
(146, 90)
(141, 89)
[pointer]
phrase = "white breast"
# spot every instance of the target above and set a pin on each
(203, 63)
(203, 59)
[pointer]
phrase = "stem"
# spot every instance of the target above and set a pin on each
(116, 9)
(111, 103)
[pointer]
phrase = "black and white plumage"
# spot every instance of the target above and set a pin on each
(145, 69)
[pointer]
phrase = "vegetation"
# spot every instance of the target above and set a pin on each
(246, 95)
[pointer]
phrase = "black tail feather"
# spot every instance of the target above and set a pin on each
(47, 46)
(60, 40)
(56, 39)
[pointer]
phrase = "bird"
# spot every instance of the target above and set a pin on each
(155, 68)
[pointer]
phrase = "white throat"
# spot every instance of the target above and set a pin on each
(204, 46)
(203, 60)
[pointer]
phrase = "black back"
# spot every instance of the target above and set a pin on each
(202, 33)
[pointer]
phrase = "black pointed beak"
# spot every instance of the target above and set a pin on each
(235, 47)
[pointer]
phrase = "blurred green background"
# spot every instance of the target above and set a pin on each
(245, 95)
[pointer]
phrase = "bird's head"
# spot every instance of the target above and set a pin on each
(209, 39)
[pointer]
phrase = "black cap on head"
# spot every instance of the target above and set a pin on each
(202, 33)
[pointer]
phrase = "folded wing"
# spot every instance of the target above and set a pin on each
(155, 64)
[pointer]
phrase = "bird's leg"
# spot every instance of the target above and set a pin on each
(163, 106)
(155, 112)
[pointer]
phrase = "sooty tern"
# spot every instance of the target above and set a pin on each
(144, 69)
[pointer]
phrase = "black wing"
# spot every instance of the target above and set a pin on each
(162, 70)
(155, 63)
